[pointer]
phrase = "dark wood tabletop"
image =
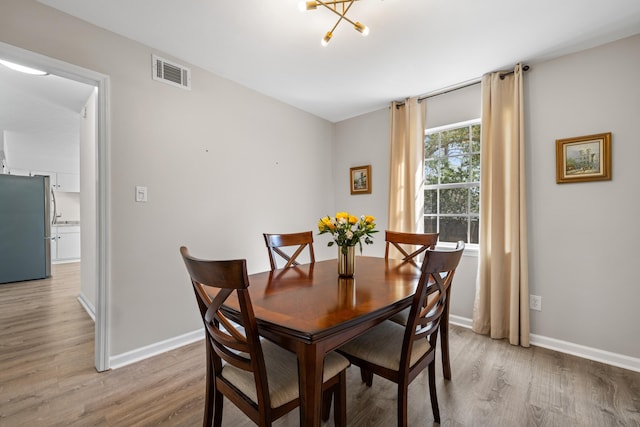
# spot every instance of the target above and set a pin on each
(310, 310)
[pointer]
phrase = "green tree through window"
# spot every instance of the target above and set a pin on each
(452, 181)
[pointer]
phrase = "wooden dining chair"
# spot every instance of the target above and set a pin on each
(405, 242)
(408, 350)
(258, 376)
(276, 242)
(401, 318)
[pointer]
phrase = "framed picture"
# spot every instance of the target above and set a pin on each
(360, 177)
(584, 158)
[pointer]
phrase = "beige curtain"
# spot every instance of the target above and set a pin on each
(406, 166)
(501, 306)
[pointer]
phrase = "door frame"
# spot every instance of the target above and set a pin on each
(102, 273)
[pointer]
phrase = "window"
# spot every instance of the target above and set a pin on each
(452, 181)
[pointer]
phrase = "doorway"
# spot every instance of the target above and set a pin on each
(95, 135)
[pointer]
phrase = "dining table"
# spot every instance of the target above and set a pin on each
(311, 310)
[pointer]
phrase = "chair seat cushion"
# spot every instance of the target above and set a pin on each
(402, 317)
(282, 374)
(382, 346)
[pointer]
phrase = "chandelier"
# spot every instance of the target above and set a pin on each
(340, 8)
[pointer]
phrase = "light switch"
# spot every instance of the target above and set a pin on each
(141, 193)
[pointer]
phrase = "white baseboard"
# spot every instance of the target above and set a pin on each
(154, 349)
(460, 321)
(595, 354)
(613, 359)
(88, 306)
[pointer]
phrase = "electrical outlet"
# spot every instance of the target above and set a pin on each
(535, 302)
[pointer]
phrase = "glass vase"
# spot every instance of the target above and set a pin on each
(346, 261)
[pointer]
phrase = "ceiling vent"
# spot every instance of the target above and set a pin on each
(171, 73)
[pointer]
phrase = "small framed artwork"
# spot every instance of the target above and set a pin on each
(584, 158)
(360, 177)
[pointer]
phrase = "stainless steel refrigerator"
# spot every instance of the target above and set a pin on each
(25, 228)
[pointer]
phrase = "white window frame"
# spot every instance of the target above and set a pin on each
(470, 248)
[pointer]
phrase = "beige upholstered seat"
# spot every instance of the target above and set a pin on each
(400, 353)
(282, 374)
(258, 376)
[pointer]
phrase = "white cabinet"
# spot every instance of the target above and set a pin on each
(61, 181)
(65, 243)
(69, 182)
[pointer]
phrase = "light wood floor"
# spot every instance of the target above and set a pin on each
(47, 378)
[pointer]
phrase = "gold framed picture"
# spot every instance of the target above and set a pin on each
(360, 177)
(583, 158)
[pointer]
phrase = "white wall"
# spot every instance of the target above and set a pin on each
(582, 237)
(222, 164)
(363, 140)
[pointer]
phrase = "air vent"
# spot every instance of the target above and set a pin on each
(171, 73)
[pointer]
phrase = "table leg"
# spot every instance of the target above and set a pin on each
(310, 366)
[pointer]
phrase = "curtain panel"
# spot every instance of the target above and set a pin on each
(501, 307)
(406, 166)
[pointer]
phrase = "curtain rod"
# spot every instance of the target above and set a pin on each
(451, 89)
(468, 83)
(446, 90)
(503, 75)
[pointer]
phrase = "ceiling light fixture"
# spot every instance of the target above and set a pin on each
(340, 8)
(22, 68)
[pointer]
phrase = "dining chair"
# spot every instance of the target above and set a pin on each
(405, 242)
(408, 350)
(258, 376)
(401, 318)
(275, 243)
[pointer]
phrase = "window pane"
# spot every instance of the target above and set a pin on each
(454, 201)
(475, 138)
(430, 224)
(475, 168)
(431, 145)
(430, 201)
(431, 172)
(454, 169)
(475, 227)
(455, 141)
(475, 200)
(453, 229)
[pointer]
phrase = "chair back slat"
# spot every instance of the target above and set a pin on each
(276, 242)
(410, 245)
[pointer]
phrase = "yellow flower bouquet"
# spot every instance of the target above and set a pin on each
(348, 230)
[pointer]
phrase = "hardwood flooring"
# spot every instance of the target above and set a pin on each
(47, 378)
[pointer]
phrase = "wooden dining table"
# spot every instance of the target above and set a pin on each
(311, 311)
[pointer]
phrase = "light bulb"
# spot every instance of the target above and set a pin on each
(362, 29)
(307, 5)
(326, 38)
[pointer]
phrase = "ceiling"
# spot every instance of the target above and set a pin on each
(415, 46)
(46, 107)
(32, 104)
